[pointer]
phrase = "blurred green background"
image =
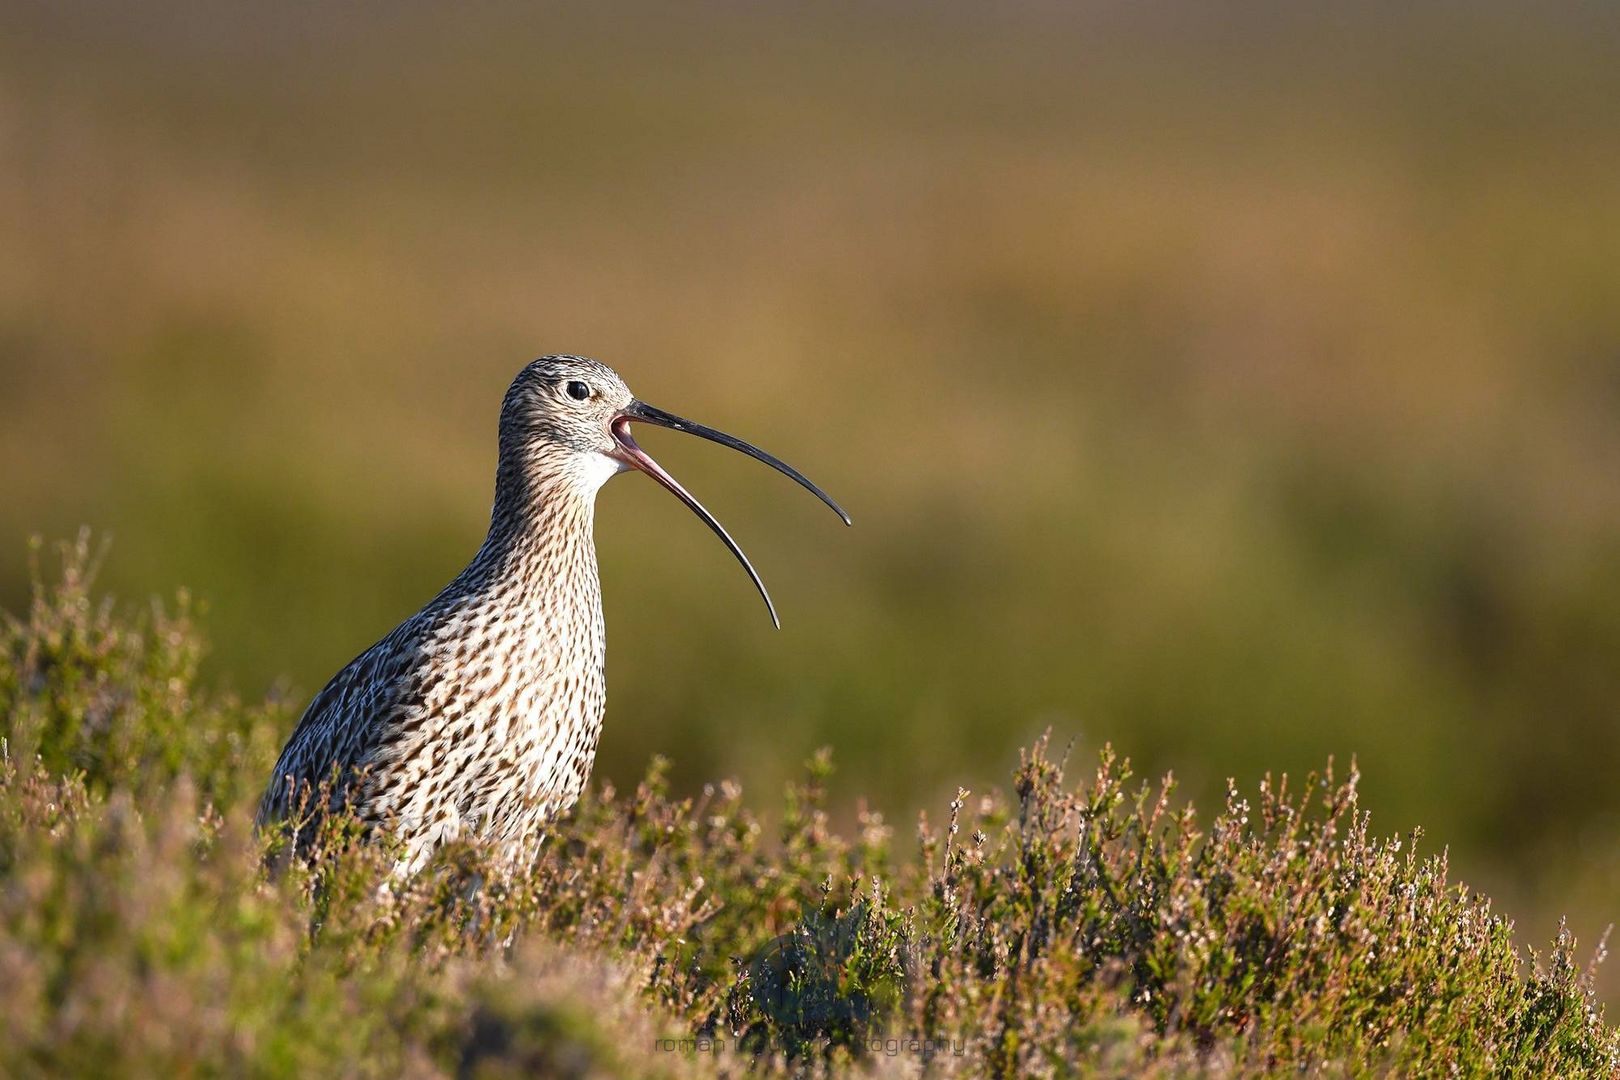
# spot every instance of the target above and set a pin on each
(1239, 386)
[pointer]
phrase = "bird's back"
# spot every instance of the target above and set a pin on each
(344, 724)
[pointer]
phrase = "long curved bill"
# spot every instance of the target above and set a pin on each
(637, 458)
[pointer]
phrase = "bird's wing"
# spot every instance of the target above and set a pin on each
(342, 724)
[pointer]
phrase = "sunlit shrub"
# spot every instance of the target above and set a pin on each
(1094, 927)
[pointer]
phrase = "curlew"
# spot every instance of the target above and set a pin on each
(478, 717)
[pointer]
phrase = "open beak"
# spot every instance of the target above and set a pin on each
(635, 457)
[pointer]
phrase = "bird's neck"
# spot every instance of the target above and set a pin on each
(540, 541)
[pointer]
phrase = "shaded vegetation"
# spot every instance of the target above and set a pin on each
(1065, 927)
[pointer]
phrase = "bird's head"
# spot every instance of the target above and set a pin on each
(567, 419)
(558, 417)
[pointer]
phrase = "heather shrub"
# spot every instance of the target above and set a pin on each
(1066, 927)
(114, 697)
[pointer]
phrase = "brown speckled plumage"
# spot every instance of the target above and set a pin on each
(479, 715)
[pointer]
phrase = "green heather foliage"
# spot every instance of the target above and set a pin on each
(1089, 927)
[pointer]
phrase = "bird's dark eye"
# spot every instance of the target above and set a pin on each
(578, 390)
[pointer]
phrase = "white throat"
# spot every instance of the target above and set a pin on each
(594, 470)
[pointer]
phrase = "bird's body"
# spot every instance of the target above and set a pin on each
(479, 716)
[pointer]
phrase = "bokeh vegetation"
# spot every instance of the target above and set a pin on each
(1091, 928)
(1238, 387)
